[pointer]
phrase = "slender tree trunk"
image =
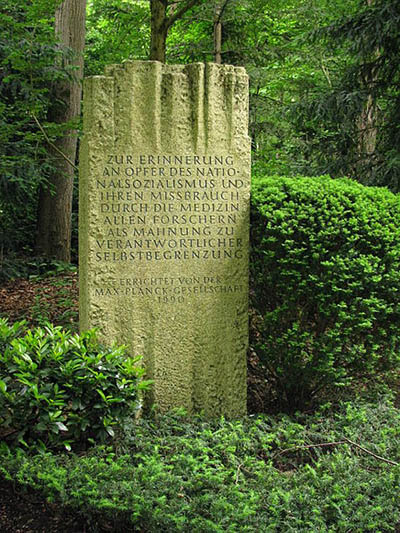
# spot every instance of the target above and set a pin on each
(159, 29)
(367, 129)
(161, 23)
(55, 200)
(217, 35)
(220, 7)
(367, 121)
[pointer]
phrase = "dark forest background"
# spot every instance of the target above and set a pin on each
(324, 93)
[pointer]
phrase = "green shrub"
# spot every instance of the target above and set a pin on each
(326, 283)
(59, 389)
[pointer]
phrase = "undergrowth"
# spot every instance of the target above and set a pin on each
(329, 472)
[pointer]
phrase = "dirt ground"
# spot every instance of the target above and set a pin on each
(24, 512)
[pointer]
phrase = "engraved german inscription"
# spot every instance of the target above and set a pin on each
(190, 217)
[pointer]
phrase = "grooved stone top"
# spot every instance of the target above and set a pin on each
(164, 223)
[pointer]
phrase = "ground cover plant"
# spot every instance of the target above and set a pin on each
(332, 471)
(39, 292)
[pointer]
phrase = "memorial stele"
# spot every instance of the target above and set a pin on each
(164, 226)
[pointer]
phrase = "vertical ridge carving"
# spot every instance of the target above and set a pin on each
(218, 102)
(98, 119)
(164, 214)
(241, 105)
(195, 73)
(230, 105)
(139, 116)
(176, 109)
(148, 89)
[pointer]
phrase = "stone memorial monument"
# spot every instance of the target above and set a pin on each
(164, 226)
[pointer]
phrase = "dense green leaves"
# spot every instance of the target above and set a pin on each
(259, 474)
(116, 31)
(326, 281)
(63, 390)
(323, 85)
(352, 125)
(29, 65)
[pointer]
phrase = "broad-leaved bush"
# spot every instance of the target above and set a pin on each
(59, 390)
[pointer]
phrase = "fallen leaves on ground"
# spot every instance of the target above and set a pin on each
(40, 300)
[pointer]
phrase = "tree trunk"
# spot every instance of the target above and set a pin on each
(367, 129)
(55, 199)
(218, 33)
(367, 121)
(220, 7)
(159, 29)
(161, 23)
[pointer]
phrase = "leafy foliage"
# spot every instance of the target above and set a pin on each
(325, 268)
(59, 389)
(259, 474)
(28, 67)
(116, 30)
(352, 125)
(34, 268)
(316, 68)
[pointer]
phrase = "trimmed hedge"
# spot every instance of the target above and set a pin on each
(326, 283)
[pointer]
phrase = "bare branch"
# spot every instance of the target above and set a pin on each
(326, 73)
(52, 144)
(221, 10)
(181, 11)
(337, 443)
(237, 473)
(371, 453)
(309, 446)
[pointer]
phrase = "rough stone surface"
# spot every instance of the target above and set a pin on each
(164, 223)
